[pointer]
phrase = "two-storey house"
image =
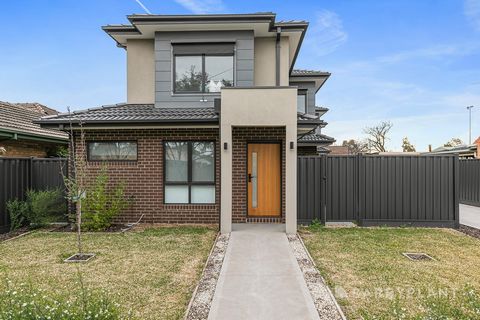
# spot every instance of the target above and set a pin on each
(214, 119)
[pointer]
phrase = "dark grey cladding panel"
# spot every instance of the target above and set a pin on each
(204, 48)
(244, 62)
(310, 87)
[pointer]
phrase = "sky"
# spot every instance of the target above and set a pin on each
(413, 63)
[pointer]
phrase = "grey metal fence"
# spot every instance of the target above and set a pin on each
(379, 190)
(470, 182)
(17, 175)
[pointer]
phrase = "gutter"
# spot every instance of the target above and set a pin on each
(12, 135)
(166, 121)
(277, 56)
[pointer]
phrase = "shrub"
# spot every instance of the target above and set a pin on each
(103, 203)
(45, 206)
(40, 208)
(25, 302)
(19, 212)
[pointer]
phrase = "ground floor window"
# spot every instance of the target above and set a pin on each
(189, 172)
(112, 151)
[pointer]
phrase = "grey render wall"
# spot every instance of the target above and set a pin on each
(379, 190)
(243, 64)
(310, 87)
(470, 182)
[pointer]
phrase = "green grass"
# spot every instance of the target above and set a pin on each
(150, 273)
(373, 280)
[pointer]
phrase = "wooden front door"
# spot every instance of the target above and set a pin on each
(264, 179)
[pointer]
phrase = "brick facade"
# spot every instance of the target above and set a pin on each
(144, 177)
(21, 148)
(240, 137)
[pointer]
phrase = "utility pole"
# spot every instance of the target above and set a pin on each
(469, 108)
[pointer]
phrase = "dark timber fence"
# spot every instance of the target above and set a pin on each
(379, 190)
(470, 182)
(17, 175)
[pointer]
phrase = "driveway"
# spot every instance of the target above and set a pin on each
(260, 278)
(470, 216)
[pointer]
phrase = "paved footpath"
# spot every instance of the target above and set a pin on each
(470, 216)
(260, 278)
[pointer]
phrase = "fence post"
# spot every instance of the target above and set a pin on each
(357, 187)
(323, 188)
(456, 184)
(30, 173)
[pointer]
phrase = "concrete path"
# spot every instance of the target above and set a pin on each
(260, 278)
(470, 216)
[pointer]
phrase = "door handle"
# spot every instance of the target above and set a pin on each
(249, 177)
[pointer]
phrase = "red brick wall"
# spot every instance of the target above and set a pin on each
(21, 148)
(144, 178)
(240, 137)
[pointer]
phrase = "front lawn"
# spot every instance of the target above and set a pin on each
(150, 274)
(373, 280)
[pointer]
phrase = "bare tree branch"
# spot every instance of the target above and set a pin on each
(377, 135)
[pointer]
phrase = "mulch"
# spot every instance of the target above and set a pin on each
(470, 231)
(70, 228)
(13, 234)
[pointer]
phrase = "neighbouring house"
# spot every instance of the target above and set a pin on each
(464, 151)
(20, 137)
(215, 117)
(339, 150)
(313, 143)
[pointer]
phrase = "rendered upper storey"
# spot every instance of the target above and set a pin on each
(185, 60)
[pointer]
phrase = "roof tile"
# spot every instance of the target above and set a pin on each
(19, 117)
(134, 113)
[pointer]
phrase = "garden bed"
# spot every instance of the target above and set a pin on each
(112, 228)
(149, 273)
(474, 232)
(12, 234)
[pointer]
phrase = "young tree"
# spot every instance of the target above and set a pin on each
(355, 146)
(407, 146)
(75, 181)
(453, 142)
(377, 135)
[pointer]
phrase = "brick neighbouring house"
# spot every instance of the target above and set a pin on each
(19, 137)
(214, 119)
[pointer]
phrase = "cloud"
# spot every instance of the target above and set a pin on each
(202, 6)
(326, 33)
(437, 51)
(472, 12)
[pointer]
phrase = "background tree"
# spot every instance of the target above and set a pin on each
(377, 135)
(407, 146)
(453, 142)
(355, 146)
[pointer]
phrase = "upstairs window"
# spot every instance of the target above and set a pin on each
(203, 68)
(302, 102)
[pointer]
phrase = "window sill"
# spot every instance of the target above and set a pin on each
(190, 94)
